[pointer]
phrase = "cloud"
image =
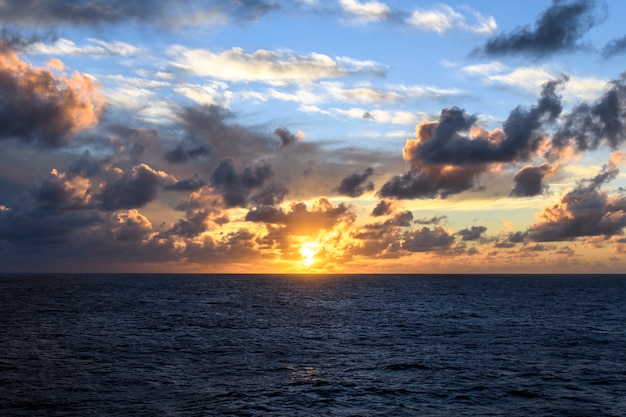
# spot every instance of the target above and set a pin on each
(382, 116)
(367, 11)
(270, 195)
(210, 93)
(28, 229)
(12, 40)
(278, 67)
(301, 220)
(54, 12)
(430, 182)
(98, 12)
(286, 137)
(381, 237)
(588, 126)
(427, 240)
(236, 187)
(61, 191)
(195, 223)
(432, 220)
(209, 126)
(383, 208)
(401, 219)
(135, 190)
(449, 154)
(129, 226)
(45, 106)
(363, 94)
(529, 180)
(475, 233)
(444, 142)
(584, 211)
(188, 184)
(614, 47)
(532, 79)
(355, 184)
(181, 154)
(558, 28)
(442, 18)
(94, 47)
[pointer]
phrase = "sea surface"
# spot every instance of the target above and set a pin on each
(342, 345)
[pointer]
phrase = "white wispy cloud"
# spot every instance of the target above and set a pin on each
(93, 47)
(277, 67)
(442, 18)
(382, 116)
(206, 94)
(364, 93)
(531, 79)
(364, 12)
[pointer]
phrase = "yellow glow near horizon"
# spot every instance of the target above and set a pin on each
(308, 250)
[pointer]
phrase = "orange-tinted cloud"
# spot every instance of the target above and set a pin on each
(43, 105)
(583, 212)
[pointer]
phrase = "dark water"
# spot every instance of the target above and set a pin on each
(164, 345)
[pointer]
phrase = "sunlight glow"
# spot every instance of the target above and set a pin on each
(308, 250)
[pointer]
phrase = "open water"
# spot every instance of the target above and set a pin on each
(357, 345)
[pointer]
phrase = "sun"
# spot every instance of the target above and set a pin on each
(308, 250)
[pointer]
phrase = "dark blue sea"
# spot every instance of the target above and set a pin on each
(349, 345)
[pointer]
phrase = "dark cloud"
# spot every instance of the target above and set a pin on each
(427, 240)
(432, 220)
(61, 192)
(588, 126)
(194, 223)
(135, 190)
(382, 239)
(517, 237)
(529, 180)
(12, 40)
(382, 208)
(286, 137)
(270, 195)
(181, 154)
(355, 184)
(511, 240)
(53, 12)
(87, 166)
(29, 228)
(95, 12)
(446, 141)
(430, 182)
(449, 154)
(188, 184)
(584, 211)
(474, 233)
(208, 126)
(44, 107)
(614, 47)
(401, 219)
(236, 187)
(558, 28)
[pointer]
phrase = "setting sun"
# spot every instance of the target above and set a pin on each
(308, 250)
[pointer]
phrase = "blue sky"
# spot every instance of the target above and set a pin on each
(312, 136)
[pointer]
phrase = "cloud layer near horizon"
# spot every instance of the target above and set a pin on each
(187, 182)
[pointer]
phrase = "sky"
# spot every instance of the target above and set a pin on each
(311, 136)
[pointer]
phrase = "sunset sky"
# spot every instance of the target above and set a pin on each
(312, 136)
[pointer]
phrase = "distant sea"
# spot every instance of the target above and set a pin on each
(335, 345)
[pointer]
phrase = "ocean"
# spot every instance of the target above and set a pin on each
(332, 345)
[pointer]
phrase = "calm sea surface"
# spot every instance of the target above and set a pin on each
(360, 345)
